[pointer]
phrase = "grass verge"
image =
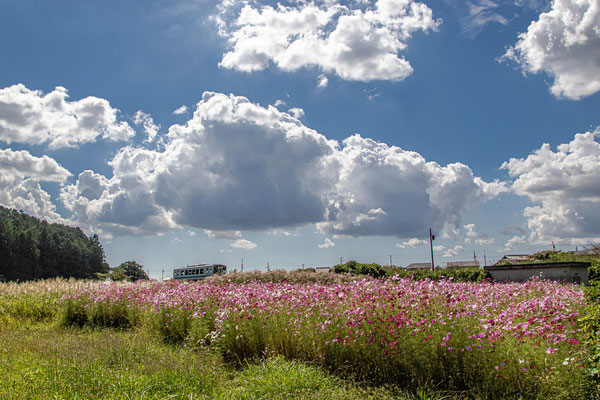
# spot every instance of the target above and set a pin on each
(45, 362)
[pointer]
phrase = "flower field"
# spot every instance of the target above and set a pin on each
(488, 340)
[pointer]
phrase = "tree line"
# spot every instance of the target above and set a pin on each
(31, 249)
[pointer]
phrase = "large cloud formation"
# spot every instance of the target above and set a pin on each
(359, 44)
(564, 43)
(238, 166)
(20, 177)
(385, 190)
(233, 166)
(29, 116)
(567, 184)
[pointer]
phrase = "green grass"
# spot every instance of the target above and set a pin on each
(42, 361)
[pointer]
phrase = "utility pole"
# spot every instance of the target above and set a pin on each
(484, 260)
(162, 275)
(431, 239)
(341, 258)
(268, 267)
(390, 260)
(474, 256)
(242, 267)
(553, 246)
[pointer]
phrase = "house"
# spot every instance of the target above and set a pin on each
(322, 269)
(462, 264)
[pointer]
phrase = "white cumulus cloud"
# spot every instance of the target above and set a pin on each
(243, 244)
(181, 110)
(356, 42)
(238, 166)
(565, 44)
(327, 244)
(472, 236)
(121, 205)
(21, 164)
(20, 174)
(454, 251)
(234, 166)
(513, 241)
(322, 81)
(413, 242)
(385, 190)
(29, 116)
(296, 112)
(146, 121)
(566, 184)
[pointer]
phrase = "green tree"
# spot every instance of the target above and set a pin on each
(129, 270)
(34, 249)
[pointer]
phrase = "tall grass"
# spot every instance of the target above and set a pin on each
(106, 364)
(36, 301)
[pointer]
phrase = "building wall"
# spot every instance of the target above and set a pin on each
(574, 274)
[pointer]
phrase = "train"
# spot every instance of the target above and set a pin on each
(198, 272)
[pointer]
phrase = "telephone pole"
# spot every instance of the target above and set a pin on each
(268, 267)
(390, 260)
(474, 256)
(242, 267)
(162, 275)
(431, 239)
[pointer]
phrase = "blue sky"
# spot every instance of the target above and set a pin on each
(327, 129)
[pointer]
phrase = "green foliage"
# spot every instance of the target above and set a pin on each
(352, 267)
(73, 314)
(31, 249)
(377, 271)
(172, 324)
(127, 271)
(456, 274)
(100, 314)
(134, 271)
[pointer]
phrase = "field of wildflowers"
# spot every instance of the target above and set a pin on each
(482, 339)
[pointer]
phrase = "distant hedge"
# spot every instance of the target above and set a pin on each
(377, 271)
